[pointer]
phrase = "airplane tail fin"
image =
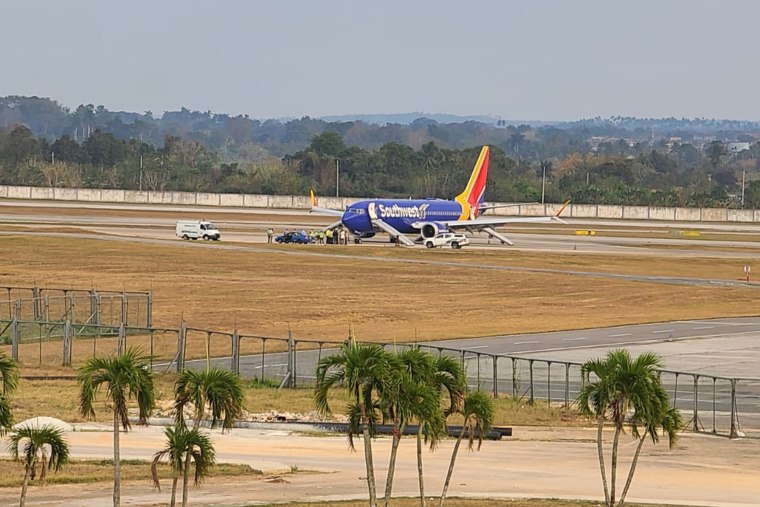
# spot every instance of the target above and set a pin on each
(558, 213)
(475, 191)
(313, 199)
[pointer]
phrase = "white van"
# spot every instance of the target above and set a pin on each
(194, 229)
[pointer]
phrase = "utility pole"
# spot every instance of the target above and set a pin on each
(141, 171)
(744, 174)
(337, 177)
(543, 180)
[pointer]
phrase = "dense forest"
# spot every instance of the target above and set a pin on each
(659, 162)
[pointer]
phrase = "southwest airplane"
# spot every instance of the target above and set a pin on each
(426, 218)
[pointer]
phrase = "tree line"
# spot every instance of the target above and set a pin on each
(619, 173)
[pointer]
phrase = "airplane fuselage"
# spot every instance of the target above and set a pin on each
(402, 215)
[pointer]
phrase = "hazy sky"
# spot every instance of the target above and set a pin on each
(528, 59)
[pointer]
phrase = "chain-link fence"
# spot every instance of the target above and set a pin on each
(66, 329)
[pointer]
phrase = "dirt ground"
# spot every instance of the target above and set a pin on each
(534, 463)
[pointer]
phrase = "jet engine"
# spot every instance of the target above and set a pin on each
(432, 229)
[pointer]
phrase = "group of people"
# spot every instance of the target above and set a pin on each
(338, 236)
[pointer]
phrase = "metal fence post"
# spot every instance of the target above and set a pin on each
(675, 391)
(15, 337)
(124, 316)
(695, 414)
(532, 400)
(263, 357)
(67, 342)
(567, 385)
(734, 432)
(495, 377)
(121, 345)
(291, 359)
(149, 310)
(181, 343)
(94, 308)
(36, 303)
(549, 382)
(514, 378)
(235, 366)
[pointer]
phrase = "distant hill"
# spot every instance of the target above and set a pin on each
(408, 118)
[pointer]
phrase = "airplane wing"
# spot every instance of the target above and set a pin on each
(487, 224)
(322, 211)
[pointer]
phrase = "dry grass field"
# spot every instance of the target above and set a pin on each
(89, 471)
(60, 398)
(317, 297)
(268, 293)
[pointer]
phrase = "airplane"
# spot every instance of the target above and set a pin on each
(427, 218)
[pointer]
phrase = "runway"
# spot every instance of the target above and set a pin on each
(726, 240)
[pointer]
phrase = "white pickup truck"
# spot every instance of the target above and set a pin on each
(454, 239)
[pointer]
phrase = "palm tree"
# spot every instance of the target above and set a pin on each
(478, 412)
(220, 390)
(180, 441)
(364, 370)
(36, 442)
(9, 374)
(408, 398)
(124, 376)
(446, 377)
(626, 390)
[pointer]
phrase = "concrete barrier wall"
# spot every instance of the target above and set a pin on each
(635, 212)
(740, 215)
(87, 194)
(237, 200)
(282, 201)
(42, 193)
(662, 213)
(134, 196)
(606, 211)
(66, 194)
(714, 215)
(340, 203)
(689, 214)
(255, 201)
(206, 199)
(19, 192)
(582, 211)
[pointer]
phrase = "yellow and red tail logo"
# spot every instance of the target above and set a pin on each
(474, 193)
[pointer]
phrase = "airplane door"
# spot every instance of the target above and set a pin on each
(372, 211)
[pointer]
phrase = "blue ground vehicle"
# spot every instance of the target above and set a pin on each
(294, 237)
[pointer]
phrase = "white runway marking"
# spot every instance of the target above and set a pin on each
(704, 327)
(663, 331)
(619, 334)
(572, 339)
(525, 343)
(478, 347)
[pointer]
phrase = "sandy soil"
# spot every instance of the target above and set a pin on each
(535, 462)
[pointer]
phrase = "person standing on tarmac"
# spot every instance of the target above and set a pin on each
(270, 233)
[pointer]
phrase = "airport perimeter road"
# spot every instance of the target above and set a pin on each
(740, 336)
(721, 347)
